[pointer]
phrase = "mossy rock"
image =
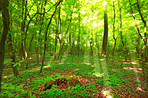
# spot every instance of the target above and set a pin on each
(68, 80)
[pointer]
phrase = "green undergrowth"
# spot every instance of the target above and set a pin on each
(15, 86)
(81, 69)
(115, 77)
(72, 92)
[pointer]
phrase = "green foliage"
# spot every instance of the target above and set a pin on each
(76, 91)
(82, 69)
(52, 76)
(9, 91)
(18, 63)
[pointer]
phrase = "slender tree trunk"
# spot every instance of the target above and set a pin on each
(45, 39)
(114, 31)
(70, 41)
(30, 44)
(24, 41)
(97, 45)
(91, 49)
(137, 47)
(55, 49)
(123, 44)
(24, 17)
(12, 54)
(105, 37)
(39, 43)
(145, 36)
(5, 15)
(57, 34)
(144, 54)
(79, 35)
(145, 47)
(62, 42)
(11, 49)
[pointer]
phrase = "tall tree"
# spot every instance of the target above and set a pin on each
(105, 36)
(11, 48)
(121, 35)
(115, 38)
(5, 15)
(145, 47)
(45, 38)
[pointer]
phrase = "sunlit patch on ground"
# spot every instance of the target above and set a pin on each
(98, 74)
(5, 76)
(106, 93)
(133, 68)
(140, 89)
(134, 63)
(47, 66)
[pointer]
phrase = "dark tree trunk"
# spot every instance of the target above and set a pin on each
(105, 37)
(55, 49)
(5, 18)
(39, 43)
(11, 49)
(144, 54)
(62, 41)
(45, 43)
(123, 44)
(137, 47)
(24, 17)
(12, 54)
(114, 31)
(79, 36)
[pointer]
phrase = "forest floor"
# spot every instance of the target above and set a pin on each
(97, 80)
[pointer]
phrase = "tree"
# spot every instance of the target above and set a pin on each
(45, 39)
(5, 15)
(105, 36)
(144, 49)
(115, 38)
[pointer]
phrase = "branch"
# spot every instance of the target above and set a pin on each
(135, 20)
(139, 10)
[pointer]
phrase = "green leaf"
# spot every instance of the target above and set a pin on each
(19, 87)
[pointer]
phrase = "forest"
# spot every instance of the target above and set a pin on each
(73, 49)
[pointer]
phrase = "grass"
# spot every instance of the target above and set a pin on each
(94, 78)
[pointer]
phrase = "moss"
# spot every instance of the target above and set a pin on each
(68, 80)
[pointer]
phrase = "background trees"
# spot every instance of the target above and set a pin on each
(73, 27)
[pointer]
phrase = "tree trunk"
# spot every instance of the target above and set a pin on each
(45, 39)
(144, 54)
(79, 36)
(12, 54)
(123, 44)
(105, 37)
(11, 49)
(114, 31)
(55, 49)
(24, 17)
(145, 47)
(137, 47)
(5, 15)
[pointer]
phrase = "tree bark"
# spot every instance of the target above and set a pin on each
(145, 47)
(11, 48)
(114, 31)
(12, 54)
(5, 18)
(105, 37)
(123, 44)
(24, 17)
(79, 36)
(45, 39)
